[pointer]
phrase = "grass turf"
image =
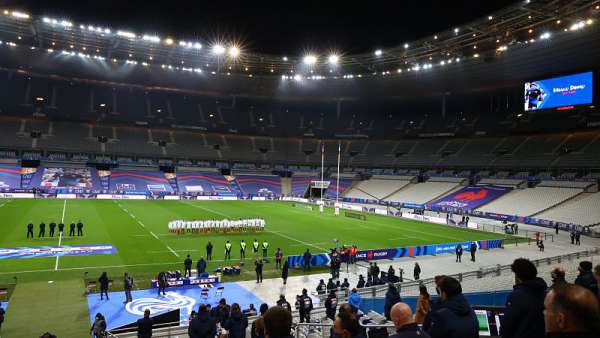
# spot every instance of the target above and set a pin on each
(138, 229)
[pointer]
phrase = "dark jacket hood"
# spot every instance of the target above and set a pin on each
(537, 286)
(457, 304)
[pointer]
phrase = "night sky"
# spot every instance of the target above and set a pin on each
(275, 27)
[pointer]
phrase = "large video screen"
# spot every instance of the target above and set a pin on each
(559, 92)
(66, 178)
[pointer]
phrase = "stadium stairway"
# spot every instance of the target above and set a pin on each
(398, 190)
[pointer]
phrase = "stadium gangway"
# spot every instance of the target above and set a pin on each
(494, 270)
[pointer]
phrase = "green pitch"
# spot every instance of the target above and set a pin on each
(138, 230)
(51, 290)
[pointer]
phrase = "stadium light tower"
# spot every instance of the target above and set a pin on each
(310, 60)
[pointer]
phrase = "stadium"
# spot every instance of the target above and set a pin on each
(148, 174)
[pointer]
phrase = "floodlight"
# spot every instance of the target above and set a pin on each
(378, 52)
(218, 49)
(234, 52)
(310, 59)
(333, 59)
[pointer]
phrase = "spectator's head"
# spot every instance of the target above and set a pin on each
(436, 280)
(222, 302)
(597, 273)
(423, 290)
(558, 275)
(278, 322)
(235, 307)
(392, 287)
(147, 313)
(345, 308)
(449, 287)
(259, 327)
(202, 308)
(346, 325)
(585, 266)
(401, 315)
(263, 308)
(304, 292)
(571, 308)
(523, 269)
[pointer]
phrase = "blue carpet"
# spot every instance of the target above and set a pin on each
(185, 298)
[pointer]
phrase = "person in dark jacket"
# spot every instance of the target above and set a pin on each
(405, 325)
(221, 312)
(306, 306)
(237, 323)
(284, 271)
(2, 312)
(586, 277)
(321, 288)
(187, 263)
(417, 271)
(103, 280)
(201, 266)
(392, 296)
(209, 249)
(331, 285)
(331, 305)
(306, 264)
(452, 317)
(361, 282)
(144, 325)
(473, 249)
(524, 314)
(284, 303)
(258, 332)
(203, 325)
(558, 277)
(459, 252)
(571, 311)
(259, 270)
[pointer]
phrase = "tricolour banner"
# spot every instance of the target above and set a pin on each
(471, 197)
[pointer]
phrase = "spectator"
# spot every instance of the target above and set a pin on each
(453, 316)
(423, 304)
(405, 325)
(284, 303)
(2, 312)
(597, 275)
(392, 296)
(306, 306)
(98, 329)
(221, 312)
(257, 330)
(278, 323)
(237, 323)
(345, 285)
(250, 311)
(571, 311)
(346, 326)
(331, 305)
(144, 325)
(558, 277)
(354, 300)
(361, 282)
(524, 315)
(203, 325)
(321, 287)
(586, 277)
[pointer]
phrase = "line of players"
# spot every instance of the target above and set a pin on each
(225, 225)
(52, 226)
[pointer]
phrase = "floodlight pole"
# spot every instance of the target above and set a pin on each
(322, 171)
(337, 191)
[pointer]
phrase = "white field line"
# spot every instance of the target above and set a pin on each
(62, 220)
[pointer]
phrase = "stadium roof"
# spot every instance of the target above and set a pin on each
(518, 25)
